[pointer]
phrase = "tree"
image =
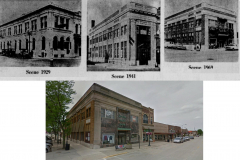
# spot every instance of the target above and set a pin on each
(200, 132)
(58, 96)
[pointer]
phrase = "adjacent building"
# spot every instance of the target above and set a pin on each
(164, 132)
(148, 123)
(49, 32)
(129, 36)
(202, 26)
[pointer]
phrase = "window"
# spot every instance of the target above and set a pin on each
(55, 43)
(105, 113)
(33, 44)
(62, 43)
(43, 43)
(88, 111)
(9, 31)
(125, 49)
(122, 30)
(27, 44)
(20, 43)
(43, 22)
(145, 118)
(110, 50)
(19, 28)
(67, 23)
(15, 30)
(151, 121)
(134, 119)
(56, 22)
(117, 50)
(34, 25)
(108, 138)
(61, 22)
(125, 29)
(83, 115)
(121, 49)
(76, 28)
(26, 26)
(115, 53)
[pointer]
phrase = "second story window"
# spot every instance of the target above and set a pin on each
(15, 30)
(26, 26)
(9, 31)
(67, 24)
(19, 28)
(145, 118)
(34, 25)
(44, 22)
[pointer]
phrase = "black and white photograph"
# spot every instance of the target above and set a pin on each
(40, 33)
(201, 31)
(123, 35)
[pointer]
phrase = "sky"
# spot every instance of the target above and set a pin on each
(172, 7)
(12, 9)
(174, 103)
(98, 10)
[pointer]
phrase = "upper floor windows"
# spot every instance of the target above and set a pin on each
(61, 22)
(26, 26)
(145, 118)
(43, 22)
(9, 31)
(34, 25)
(19, 28)
(15, 30)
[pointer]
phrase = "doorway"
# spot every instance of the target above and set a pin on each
(143, 44)
(121, 138)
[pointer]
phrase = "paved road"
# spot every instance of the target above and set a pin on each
(191, 150)
(16, 62)
(213, 55)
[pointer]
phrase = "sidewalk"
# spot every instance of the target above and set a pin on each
(80, 152)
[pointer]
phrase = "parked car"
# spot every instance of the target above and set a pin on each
(178, 140)
(231, 47)
(191, 137)
(48, 147)
(184, 139)
(187, 138)
(49, 140)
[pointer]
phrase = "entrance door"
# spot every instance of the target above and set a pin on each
(121, 138)
(143, 44)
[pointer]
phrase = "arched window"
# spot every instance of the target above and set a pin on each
(55, 43)
(76, 28)
(8, 45)
(43, 43)
(27, 44)
(68, 47)
(33, 44)
(15, 45)
(20, 43)
(145, 118)
(62, 43)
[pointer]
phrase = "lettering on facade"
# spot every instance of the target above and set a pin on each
(141, 22)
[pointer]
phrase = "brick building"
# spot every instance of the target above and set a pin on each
(103, 118)
(129, 36)
(203, 24)
(49, 32)
(163, 132)
(147, 123)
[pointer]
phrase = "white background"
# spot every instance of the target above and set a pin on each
(22, 120)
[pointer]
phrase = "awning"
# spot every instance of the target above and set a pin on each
(124, 129)
(148, 127)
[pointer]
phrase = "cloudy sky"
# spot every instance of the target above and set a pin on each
(11, 9)
(172, 7)
(174, 103)
(98, 10)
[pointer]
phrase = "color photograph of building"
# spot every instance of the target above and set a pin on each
(126, 35)
(101, 117)
(44, 31)
(209, 27)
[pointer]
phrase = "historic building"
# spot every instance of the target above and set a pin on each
(103, 118)
(148, 123)
(48, 32)
(163, 132)
(129, 36)
(202, 26)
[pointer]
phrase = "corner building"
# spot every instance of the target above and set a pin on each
(103, 118)
(129, 36)
(48, 32)
(203, 24)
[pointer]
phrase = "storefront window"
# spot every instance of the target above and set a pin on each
(134, 138)
(108, 138)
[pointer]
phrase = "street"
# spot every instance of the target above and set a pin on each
(15, 62)
(213, 55)
(159, 150)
